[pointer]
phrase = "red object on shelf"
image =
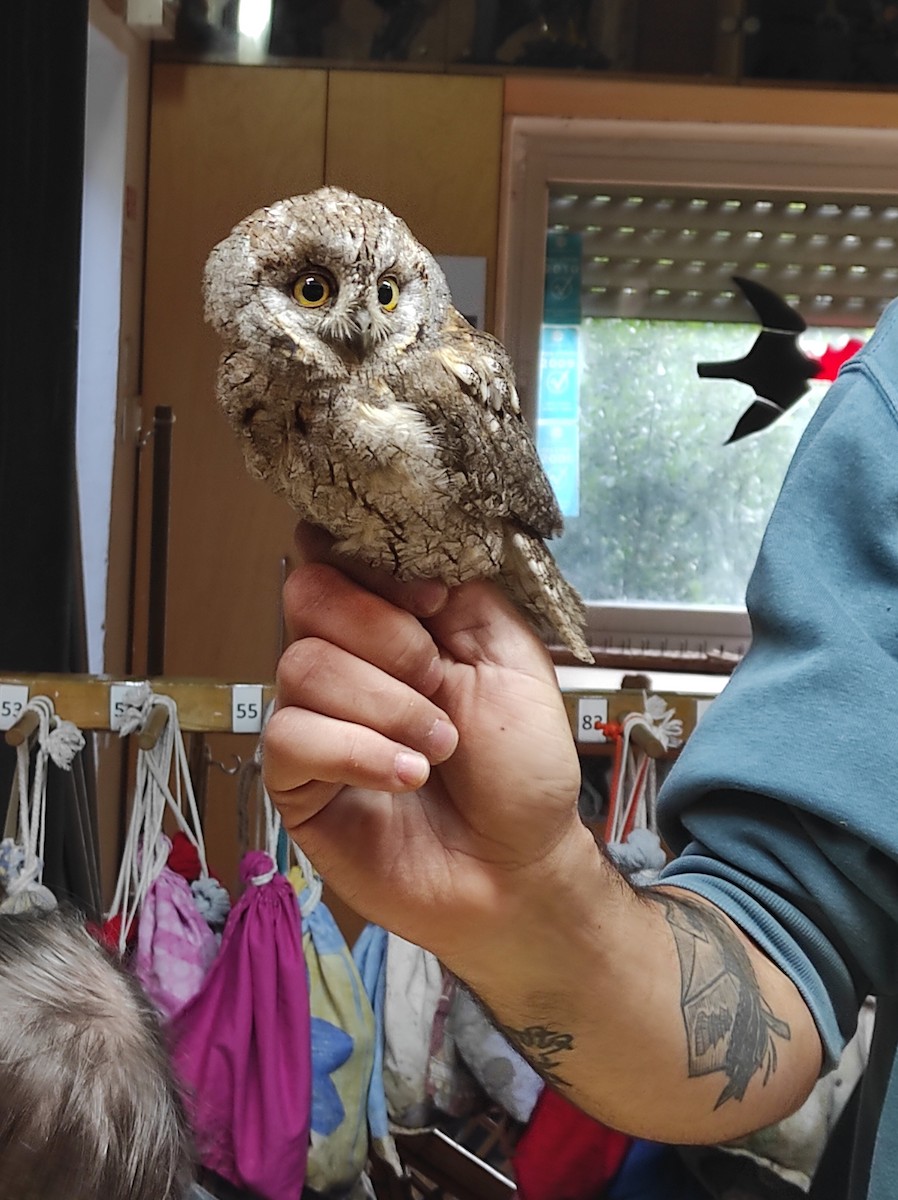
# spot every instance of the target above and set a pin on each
(107, 933)
(183, 857)
(565, 1155)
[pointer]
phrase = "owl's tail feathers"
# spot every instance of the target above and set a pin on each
(533, 579)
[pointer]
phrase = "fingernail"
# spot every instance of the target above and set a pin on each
(433, 676)
(442, 740)
(411, 768)
(429, 597)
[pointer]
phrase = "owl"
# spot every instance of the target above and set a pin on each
(361, 394)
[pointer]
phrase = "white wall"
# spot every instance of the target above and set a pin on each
(99, 318)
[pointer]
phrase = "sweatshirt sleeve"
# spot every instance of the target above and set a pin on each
(783, 806)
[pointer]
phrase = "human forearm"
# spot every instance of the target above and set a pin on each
(650, 1010)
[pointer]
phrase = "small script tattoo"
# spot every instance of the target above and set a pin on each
(730, 1027)
(542, 1045)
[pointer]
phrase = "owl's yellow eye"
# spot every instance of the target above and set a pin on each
(387, 293)
(313, 289)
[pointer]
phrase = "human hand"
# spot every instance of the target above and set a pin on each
(426, 765)
(424, 762)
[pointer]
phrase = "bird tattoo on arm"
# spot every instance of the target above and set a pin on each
(363, 396)
(729, 1025)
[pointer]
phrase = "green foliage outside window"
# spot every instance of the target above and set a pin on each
(668, 512)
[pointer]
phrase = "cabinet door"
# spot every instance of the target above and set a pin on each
(224, 141)
(427, 146)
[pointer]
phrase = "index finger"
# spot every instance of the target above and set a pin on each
(322, 602)
(423, 597)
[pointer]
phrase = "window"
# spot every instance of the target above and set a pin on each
(621, 243)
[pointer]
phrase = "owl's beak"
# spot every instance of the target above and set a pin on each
(359, 340)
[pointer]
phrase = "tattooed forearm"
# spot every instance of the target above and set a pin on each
(730, 1027)
(543, 1046)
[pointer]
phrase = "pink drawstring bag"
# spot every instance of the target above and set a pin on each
(242, 1045)
(175, 946)
(174, 943)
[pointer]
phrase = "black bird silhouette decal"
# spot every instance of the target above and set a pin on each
(774, 367)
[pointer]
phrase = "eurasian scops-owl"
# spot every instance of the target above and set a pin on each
(362, 395)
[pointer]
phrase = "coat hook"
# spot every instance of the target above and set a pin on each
(643, 737)
(153, 727)
(214, 762)
(27, 723)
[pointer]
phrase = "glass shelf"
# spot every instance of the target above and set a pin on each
(850, 43)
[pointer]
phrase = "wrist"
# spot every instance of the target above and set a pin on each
(528, 942)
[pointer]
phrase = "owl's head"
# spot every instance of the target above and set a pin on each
(321, 275)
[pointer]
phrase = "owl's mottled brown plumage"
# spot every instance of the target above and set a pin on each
(363, 396)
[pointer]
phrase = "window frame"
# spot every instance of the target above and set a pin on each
(543, 151)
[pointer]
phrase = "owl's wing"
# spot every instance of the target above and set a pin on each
(485, 435)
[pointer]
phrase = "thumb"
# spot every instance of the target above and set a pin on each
(480, 625)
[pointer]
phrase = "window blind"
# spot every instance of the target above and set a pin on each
(670, 253)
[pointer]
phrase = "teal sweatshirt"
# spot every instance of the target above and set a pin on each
(783, 806)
